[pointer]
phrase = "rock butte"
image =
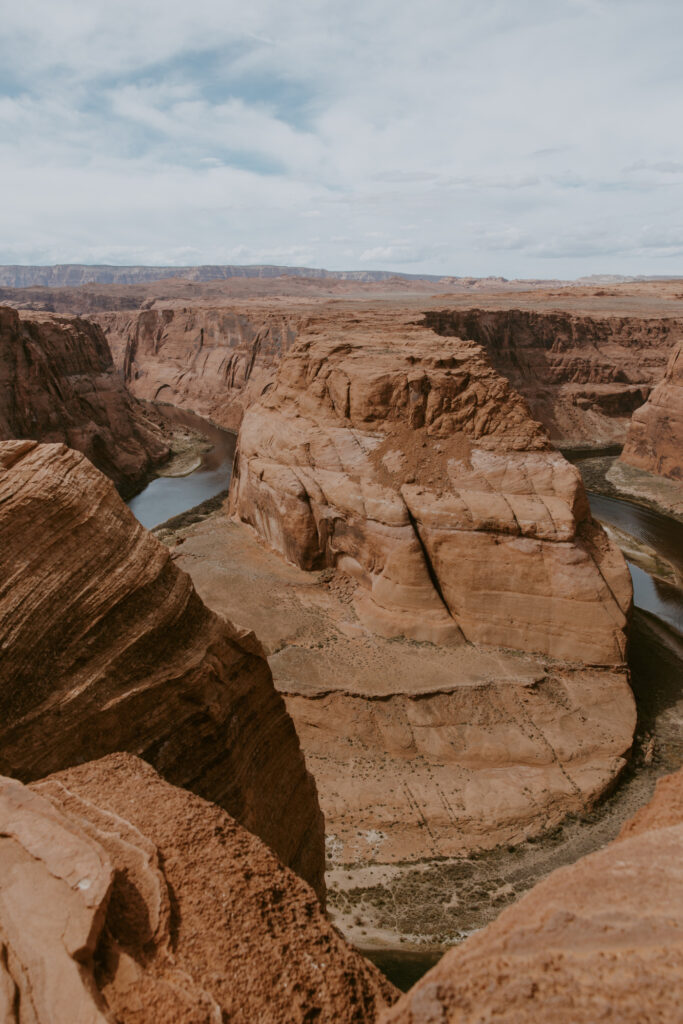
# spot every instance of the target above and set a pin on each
(58, 383)
(126, 899)
(404, 460)
(598, 940)
(105, 646)
(655, 437)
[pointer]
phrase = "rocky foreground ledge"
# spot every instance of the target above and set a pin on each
(123, 898)
(600, 940)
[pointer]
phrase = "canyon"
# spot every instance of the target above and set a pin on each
(405, 595)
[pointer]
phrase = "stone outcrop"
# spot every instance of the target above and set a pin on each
(599, 940)
(58, 383)
(105, 646)
(213, 361)
(583, 376)
(419, 751)
(123, 898)
(406, 461)
(655, 437)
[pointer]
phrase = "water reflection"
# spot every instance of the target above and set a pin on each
(169, 496)
(658, 531)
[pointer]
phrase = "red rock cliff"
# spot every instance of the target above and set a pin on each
(213, 361)
(58, 383)
(583, 376)
(655, 437)
(105, 645)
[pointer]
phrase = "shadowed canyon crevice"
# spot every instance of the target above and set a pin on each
(58, 383)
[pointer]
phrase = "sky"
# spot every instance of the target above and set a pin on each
(536, 139)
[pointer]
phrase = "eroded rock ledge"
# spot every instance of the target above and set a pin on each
(105, 645)
(126, 899)
(58, 384)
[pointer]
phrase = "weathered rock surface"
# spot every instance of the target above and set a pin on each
(600, 940)
(58, 384)
(655, 438)
(213, 361)
(419, 751)
(583, 376)
(105, 645)
(406, 461)
(123, 898)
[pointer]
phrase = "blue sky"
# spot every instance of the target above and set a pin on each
(541, 138)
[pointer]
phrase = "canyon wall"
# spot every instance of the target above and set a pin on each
(213, 361)
(406, 461)
(58, 383)
(583, 376)
(125, 899)
(106, 646)
(598, 940)
(655, 437)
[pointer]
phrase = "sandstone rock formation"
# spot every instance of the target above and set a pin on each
(600, 940)
(655, 438)
(583, 376)
(58, 383)
(419, 751)
(406, 461)
(213, 361)
(105, 645)
(125, 899)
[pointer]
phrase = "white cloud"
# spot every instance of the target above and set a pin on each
(460, 138)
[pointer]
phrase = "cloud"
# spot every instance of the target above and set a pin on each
(454, 138)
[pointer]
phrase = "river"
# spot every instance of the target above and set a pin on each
(168, 496)
(655, 659)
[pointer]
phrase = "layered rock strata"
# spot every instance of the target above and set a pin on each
(599, 940)
(406, 461)
(105, 645)
(583, 376)
(213, 361)
(655, 437)
(123, 898)
(58, 384)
